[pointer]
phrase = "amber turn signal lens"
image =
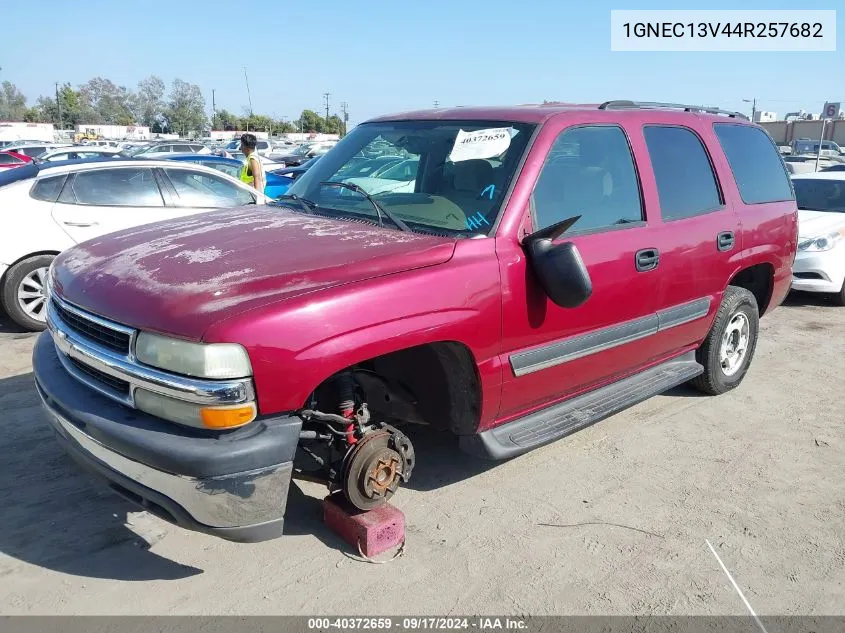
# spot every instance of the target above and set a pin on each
(227, 417)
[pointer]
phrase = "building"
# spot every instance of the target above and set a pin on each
(765, 117)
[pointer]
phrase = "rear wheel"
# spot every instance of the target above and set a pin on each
(24, 292)
(727, 351)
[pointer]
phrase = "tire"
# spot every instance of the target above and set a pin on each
(23, 277)
(722, 372)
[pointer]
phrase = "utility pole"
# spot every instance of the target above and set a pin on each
(326, 96)
(247, 91)
(213, 110)
(436, 103)
(59, 105)
(753, 103)
(344, 109)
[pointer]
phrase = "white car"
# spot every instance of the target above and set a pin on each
(161, 150)
(820, 263)
(50, 207)
(34, 149)
(79, 151)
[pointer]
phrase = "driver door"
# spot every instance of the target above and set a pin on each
(550, 352)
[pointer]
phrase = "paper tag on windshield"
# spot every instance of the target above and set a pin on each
(480, 144)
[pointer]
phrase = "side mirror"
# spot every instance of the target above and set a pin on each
(559, 267)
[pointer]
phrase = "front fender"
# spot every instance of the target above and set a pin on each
(296, 345)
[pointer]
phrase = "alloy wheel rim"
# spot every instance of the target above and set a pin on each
(734, 347)
(32, 294)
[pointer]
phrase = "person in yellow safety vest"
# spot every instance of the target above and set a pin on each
(252, 172)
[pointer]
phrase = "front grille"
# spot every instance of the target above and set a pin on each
(105, 336)
(121, 386)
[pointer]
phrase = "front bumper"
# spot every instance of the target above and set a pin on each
(233, 485)
(819, 272)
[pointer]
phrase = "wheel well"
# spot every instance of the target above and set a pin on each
(20, 259)
(758, 280)
(435, 384)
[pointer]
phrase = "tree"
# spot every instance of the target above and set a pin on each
(226, 121)
(185, 110)
(148, 102)
(310, 121)
(111, 104)
(32, 115)
(75, 108)
(12, 102)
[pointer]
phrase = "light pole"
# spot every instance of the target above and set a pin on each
(753, 103)
(59, 105)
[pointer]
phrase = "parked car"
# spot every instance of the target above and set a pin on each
(160, 150)
(11, 159)
(518, 294)
(806, 163)
(34, 149)
(820, 262)
(80, 152)
(302, 153)
(52, 206)
(276, 185)
(810, 146)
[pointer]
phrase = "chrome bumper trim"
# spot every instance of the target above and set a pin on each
(236, 500)
(125, 368)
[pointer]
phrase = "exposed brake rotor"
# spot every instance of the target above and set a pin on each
(375, 466)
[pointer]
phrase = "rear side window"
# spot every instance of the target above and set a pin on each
(755, 162)
(8, 159)
(48, 189)
(32, 152)
(686, 184)
(121, 187)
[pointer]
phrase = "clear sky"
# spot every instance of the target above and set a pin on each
(382, 56)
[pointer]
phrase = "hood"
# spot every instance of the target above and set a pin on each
(817, 223)
(181, 276)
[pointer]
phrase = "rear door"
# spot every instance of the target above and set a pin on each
(98, 201)
(699, 231)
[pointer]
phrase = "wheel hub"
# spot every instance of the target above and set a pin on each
(375, 467)
(32, 294)
(734, 345)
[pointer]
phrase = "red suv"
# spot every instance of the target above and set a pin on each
(534, 270)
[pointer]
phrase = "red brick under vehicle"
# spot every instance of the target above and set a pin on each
(546, 267)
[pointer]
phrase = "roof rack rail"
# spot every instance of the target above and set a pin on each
(624, 104)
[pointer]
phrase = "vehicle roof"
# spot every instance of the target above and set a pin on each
(214, 158)
(534, 113)
(821, 175)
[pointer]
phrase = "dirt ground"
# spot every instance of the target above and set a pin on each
(613, 520)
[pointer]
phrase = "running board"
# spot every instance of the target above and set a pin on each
(545, 426)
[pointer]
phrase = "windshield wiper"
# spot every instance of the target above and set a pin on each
(380, 210)
(306, 205)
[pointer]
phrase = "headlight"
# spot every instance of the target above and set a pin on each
(821, 243)
(213, 360)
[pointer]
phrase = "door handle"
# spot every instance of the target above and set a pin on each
(81, 224)
(647, 259)
(725, 240)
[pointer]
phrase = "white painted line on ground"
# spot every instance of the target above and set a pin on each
(736, 586)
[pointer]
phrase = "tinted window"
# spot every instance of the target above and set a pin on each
(816, 194)
(32, 152)
(589, 172)
(755, 162)
(686, 184)
(205, 190)
(262, 145)
(183, 148)
(232, 170)
(48, 189)
(129, 186)
(7, 159)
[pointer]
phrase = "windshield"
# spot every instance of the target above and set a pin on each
(451, 181)
(816, 194)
